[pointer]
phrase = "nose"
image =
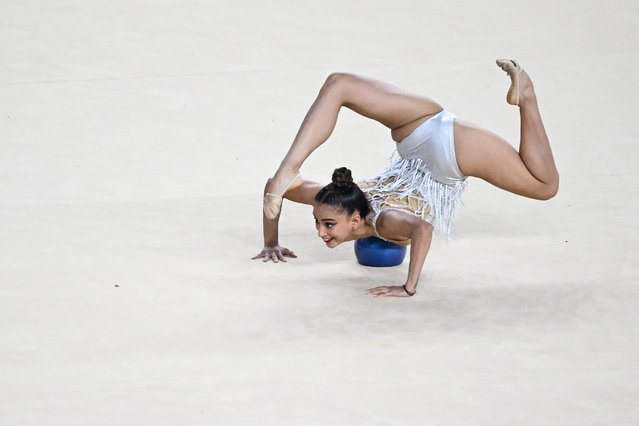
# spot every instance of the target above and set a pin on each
(321, 231)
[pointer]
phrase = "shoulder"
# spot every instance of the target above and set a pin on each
(392, 217)
(398, 224)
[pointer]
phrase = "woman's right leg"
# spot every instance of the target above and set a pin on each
(531, 172)
(395, 108)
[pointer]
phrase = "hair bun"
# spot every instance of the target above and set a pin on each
(344, 195)
(342, 177)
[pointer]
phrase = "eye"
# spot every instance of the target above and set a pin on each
(329, 225)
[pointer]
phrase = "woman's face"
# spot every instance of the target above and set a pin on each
(332, 226)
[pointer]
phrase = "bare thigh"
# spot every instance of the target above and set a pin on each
(483, 154)
(395, 108)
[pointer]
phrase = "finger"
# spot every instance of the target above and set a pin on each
(280, 257)
(274, 257)
(290, 254)
(258, 256)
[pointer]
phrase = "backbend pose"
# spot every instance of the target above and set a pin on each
(419, 189)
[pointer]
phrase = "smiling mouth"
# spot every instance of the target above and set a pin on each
(328, 241)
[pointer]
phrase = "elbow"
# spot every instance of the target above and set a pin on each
(426, 226)
(423, 230)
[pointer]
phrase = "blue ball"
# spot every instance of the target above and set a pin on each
(374, 251)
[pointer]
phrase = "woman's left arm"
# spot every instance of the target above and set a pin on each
(395, 225)
(421, 237)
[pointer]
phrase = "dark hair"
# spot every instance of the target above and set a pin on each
(344, 194)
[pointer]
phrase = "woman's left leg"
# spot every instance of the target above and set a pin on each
(531, 172)
(393, 107)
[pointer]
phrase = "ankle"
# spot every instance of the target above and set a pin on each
(528, 99)
(286, 169)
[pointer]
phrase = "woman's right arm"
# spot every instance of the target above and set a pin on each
(304, 194)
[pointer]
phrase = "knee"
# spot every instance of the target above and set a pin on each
(335, 77)
(335, 81)
(549, 191)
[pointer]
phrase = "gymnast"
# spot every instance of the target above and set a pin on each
(418, 192)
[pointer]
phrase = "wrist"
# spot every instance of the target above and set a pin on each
(410, 290)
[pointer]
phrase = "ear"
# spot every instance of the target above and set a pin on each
(356, 219)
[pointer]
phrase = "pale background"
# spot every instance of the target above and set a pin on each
(135, 139)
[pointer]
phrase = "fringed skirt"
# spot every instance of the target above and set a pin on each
(408, 185)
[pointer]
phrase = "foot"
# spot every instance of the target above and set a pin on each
(521, 85)
(277, 189)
